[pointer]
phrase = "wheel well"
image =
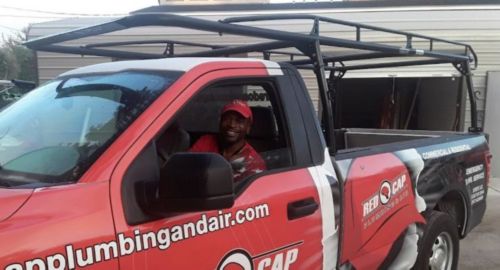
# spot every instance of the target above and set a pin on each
(453, 204)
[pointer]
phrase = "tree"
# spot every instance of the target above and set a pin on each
(17, 61)
(8, 63)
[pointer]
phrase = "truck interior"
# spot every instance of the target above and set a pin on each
(352, 114)
(201, 117)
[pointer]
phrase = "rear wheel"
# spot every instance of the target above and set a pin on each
(439, 245)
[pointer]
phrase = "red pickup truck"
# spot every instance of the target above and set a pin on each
(96, 173)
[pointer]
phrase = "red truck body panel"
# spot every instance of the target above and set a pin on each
(262, 239)
(59, 221)
(12, 200)
(379, 206)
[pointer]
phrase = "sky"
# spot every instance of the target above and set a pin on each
(18, 14)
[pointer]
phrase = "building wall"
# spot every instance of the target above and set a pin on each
(478, 26)
(492, 125)
(205, 2)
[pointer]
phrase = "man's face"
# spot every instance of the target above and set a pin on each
(233, 127)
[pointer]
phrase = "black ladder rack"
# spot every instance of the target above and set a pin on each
(309, 47)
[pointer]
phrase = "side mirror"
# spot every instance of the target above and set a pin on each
(196, 182)
(26, 85)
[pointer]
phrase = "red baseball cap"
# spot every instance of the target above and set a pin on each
(240, 107)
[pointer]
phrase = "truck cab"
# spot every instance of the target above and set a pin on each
(126, 223)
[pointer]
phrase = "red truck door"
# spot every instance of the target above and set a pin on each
(276, 220)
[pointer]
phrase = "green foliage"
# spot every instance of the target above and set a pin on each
(8, 63)
(17, 61)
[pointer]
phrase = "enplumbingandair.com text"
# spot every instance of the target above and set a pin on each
(124, 245)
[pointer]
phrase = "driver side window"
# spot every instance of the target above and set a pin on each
(199, 123)
(198, 120)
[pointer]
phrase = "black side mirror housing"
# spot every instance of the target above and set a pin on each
(196, 182)
(26, 85)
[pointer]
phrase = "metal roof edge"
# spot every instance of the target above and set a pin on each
(331, 11)
(316, 5)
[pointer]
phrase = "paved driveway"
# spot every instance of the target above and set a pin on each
(480, 250)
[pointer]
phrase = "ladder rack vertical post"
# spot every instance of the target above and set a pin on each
(326, 104)
(472, 98)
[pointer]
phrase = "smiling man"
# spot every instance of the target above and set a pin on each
(235, 123)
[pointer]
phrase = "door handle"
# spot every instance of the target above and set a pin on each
(301, 208)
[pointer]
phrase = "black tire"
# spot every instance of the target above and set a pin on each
(439, 241)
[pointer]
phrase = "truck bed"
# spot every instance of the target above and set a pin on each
(355, 139)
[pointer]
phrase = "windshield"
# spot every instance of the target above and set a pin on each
(54, 133)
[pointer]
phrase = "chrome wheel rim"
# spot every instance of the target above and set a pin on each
(442, 253)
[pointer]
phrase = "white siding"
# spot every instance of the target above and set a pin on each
(205, 2)
(492, 125)
(478, 26)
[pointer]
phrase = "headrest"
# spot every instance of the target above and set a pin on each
(264, 124)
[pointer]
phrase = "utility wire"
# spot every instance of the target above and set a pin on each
(62, 13)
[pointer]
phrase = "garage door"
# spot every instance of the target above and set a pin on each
(492, 124)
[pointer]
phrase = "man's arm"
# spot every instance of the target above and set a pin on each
(206, 143)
